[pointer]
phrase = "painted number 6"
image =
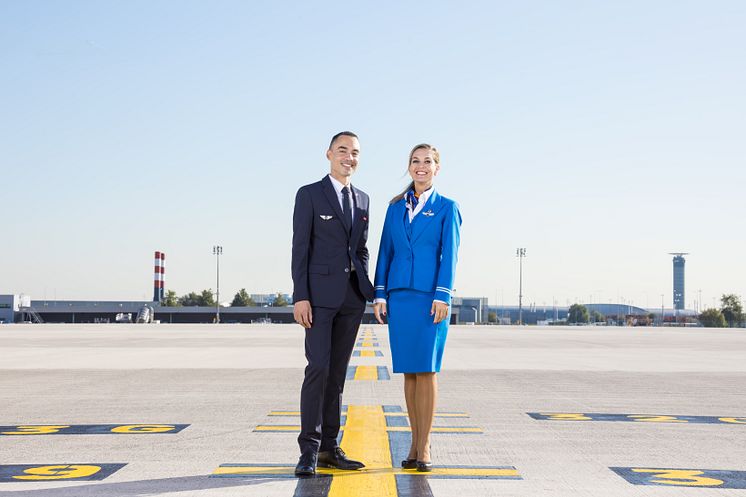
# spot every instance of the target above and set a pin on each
(60, 472)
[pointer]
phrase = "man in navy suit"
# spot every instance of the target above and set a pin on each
(330, 288)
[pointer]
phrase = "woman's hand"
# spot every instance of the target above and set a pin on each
(379, 309)
(439, 310)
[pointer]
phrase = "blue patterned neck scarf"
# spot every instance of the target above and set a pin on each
(412, 200)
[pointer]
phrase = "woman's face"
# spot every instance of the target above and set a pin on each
(422, 167)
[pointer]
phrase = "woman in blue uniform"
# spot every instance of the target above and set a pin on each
(414, 282)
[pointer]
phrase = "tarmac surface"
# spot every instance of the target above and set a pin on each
(205, 410)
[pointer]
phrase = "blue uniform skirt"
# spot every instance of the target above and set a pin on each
(416, 342)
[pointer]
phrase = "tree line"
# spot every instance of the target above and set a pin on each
(206, 298)
(730, 313)
(578, 313)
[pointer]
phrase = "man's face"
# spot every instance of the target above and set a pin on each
(343, 156)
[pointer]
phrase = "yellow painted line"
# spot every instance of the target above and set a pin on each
(365, 438)
(366, 473)
(388, 414)
(255, 470)
(440, 429)
(437, 415)
(366, 373)
(367, 353)
(456, 429)
(436, 429)
(470, 472)
(366, 344)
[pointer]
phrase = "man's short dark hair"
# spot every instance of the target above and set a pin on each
(341, 133)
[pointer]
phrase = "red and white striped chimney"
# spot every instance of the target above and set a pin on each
(158, 276)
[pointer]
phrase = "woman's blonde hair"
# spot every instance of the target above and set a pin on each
(436, 158)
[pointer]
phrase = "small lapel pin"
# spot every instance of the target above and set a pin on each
(325, 218)
(428, 213)
(365, 218)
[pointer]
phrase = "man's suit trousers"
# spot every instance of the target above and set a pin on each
(329, 344)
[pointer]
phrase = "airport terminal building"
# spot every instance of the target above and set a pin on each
(74, 311)
(465, 310)
(10, 307)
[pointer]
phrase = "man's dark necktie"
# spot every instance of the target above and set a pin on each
(346, 207)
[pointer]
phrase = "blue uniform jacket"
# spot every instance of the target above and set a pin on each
(421, 258)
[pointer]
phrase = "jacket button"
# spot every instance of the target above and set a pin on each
(347, 270)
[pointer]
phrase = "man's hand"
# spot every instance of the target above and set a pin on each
(439, 310)
(379, 309)
(302, 313)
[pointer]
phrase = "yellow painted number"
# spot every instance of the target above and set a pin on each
(60, 472)
(738, 421)
(36, 430)
(657, 419)
(568, 417)
(683, 477)
(143, 429)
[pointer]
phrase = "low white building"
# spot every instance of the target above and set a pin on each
(10, 305)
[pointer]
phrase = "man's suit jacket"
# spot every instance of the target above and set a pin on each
(421, 256)
(323, 247)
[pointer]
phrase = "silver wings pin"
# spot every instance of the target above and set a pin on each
(428, 213)
(325, 218)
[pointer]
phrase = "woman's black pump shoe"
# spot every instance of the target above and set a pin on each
(409, 464)
(424, 467)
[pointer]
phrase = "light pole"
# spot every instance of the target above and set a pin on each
(554, 305)
(477, 318)
(520, 253)
(502, 302)
(217, 251)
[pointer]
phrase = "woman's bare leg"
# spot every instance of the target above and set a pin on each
(426, 395)
(410, 393)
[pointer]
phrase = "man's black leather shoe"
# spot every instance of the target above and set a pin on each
(306, 464)
(336, 458)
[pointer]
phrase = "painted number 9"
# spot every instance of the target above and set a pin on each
(657, 419)
(739, 421)
(568, 417)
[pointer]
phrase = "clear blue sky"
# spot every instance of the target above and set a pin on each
(598, 135)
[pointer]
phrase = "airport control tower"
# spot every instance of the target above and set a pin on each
(678, 279)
